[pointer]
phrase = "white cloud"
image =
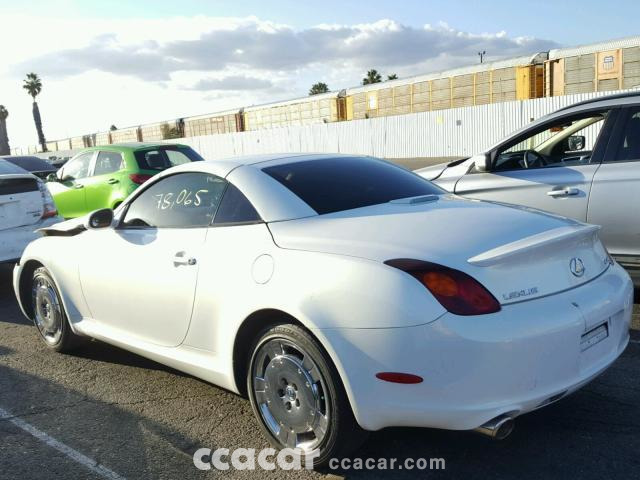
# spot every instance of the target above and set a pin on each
(232, 82)
(98, 72)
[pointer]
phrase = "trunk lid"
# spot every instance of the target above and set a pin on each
(20, 201)
(517, 253)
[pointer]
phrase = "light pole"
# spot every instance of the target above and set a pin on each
(482, 54)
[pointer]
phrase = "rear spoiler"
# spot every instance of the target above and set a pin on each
(529, 244)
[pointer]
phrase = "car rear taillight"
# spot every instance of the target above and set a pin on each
(455, 290)
(139, 178)
(48, 206)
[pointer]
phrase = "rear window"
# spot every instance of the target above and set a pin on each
(161, 158)
(336, 184)
(13, 186)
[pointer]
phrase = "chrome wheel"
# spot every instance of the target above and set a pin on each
(291, 394)
(47, 310)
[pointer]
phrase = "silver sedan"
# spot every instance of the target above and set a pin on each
(581, 162)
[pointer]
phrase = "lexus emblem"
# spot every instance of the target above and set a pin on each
(576, 266)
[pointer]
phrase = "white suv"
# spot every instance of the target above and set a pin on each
(25, 206)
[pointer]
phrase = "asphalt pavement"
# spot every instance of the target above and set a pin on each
(105, 413)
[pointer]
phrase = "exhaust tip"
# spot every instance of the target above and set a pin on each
(499, 428)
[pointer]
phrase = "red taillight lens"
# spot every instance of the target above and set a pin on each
(48, 206)
(455, 290)
(139, 178)
(52, 212)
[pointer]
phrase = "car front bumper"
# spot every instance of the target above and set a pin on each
(13, 241)
(477, 368)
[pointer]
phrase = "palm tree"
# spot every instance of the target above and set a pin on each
(393, 76)
(4, 139)
(319, 87)
(33, 85)
(372, 77)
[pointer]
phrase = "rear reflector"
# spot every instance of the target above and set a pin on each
(139, 178)
(397, 377)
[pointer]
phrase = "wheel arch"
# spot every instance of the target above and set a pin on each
(263, 319)
(23, 290)
(245, 336)
(24, 285)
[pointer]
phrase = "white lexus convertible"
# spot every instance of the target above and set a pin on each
(340, 293)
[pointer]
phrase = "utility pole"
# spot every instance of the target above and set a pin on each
(481, 55)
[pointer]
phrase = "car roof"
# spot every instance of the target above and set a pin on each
(222, 167)
(132, 146)
(31, 164)
(607, 100)
(8, 168)
(274, 201)
(602, 102)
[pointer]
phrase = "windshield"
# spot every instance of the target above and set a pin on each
(330, 185)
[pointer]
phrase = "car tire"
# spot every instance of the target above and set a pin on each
(49, 316)
(300, 389)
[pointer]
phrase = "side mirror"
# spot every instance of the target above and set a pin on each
(482, 162)
(575, 142)
(100, 219)
(52, 177)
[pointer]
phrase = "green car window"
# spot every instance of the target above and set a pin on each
(108, 162)
(78, 167)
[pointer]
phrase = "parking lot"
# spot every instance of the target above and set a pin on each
(139, 419)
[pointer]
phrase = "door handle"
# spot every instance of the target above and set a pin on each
(182, 259)
(563, 192)
(111, 181)
(78, 186)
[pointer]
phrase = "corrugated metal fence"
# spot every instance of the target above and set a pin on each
(443, 133)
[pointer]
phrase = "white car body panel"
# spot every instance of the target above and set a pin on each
(13, 241)
(20, 213)
(453, 230)
(327, 272)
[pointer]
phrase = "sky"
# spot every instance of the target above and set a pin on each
(135, 62)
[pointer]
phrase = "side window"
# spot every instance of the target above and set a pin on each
(628, 149)
(107, 162)
(178, 201)
(566, 142)
(77, 168)
(176, 157)
(235, 209)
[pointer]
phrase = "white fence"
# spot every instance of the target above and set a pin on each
(443, 133)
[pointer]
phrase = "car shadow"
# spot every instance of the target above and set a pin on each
(125, 442)
(98, 351)
(8, 303)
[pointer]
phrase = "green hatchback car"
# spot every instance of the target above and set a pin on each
(102, 177)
